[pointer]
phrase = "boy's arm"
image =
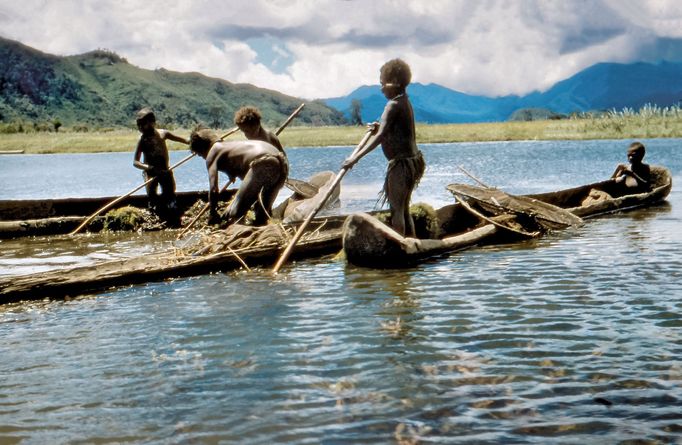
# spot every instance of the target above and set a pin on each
(619, 171)
(213, 190)
(138, 155)
(274, 140)
(165, 134)
(378, 130)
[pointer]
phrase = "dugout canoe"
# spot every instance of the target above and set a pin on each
(211, 251)
(34, 217)
(586, 201)
(240, 246)
(487, 215)
(39, 217)
(368, 242)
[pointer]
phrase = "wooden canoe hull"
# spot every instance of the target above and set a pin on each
(32, 217)
(39, 217)
(324, 238)
(576, 199)
(368, 242)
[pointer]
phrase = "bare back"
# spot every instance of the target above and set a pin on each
(235, 157)
(399, 135)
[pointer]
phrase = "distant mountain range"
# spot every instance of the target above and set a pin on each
(101, 89)
(598, 88)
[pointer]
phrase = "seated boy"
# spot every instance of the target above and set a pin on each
(260, 165)
(635, 178)
(152, 148)
(397, 136)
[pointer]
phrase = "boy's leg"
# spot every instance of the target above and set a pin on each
(167, 183)
(398, 196)
(270, 176)
(401, 180)
(151, 189)
(245, 197)
(273, 174)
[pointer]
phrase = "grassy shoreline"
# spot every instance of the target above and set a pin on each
(612, 127)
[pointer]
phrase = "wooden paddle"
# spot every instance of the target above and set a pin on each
(298, 187)
(119, 199)
(320, 204)
(231, 132)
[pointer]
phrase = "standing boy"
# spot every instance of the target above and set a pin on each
(260, 165)
(152, 149)
(397, 136)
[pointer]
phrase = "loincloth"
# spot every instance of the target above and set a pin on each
(409, 169)
(280, 157)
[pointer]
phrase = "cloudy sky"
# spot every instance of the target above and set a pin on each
(326, 48)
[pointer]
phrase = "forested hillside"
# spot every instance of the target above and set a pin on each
(101, 89)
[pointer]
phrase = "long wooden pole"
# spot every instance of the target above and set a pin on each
(289, 119)
(202, 211)
(233, 131)
(481, 183)
(205, 208)
(320, 204)
(120, 198)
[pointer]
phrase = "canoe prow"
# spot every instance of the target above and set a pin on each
(369, 242)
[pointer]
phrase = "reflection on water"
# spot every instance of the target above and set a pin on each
(571, 338)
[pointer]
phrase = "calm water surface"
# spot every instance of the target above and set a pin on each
(573, 338)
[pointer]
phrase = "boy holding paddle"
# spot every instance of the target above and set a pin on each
(261, 166)
(396, 134)
(152, 149)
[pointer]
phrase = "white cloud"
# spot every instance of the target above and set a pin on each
(487, 47)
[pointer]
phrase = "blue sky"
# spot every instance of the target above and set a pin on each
(319, 49)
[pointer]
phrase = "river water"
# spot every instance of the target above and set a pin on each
(573, 338)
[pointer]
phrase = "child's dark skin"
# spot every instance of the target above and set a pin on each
(397, 136)
(637, 176)
(248, 121)
(260, 166)
(151, 147)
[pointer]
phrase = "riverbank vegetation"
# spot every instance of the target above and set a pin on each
(647, 122)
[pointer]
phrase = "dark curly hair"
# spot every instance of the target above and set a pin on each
(247, 116)
(637, 147)
(201, 139)
(396, 71)
(145, 114)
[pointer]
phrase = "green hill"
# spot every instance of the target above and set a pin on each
(102, 89)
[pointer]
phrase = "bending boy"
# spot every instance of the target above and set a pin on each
(260, 165)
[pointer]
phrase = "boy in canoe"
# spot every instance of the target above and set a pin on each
(636, 178)
(260, 165)
(154, 165)
(396, 134)
(248, 121)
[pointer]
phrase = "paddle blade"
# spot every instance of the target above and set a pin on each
(303, 188)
